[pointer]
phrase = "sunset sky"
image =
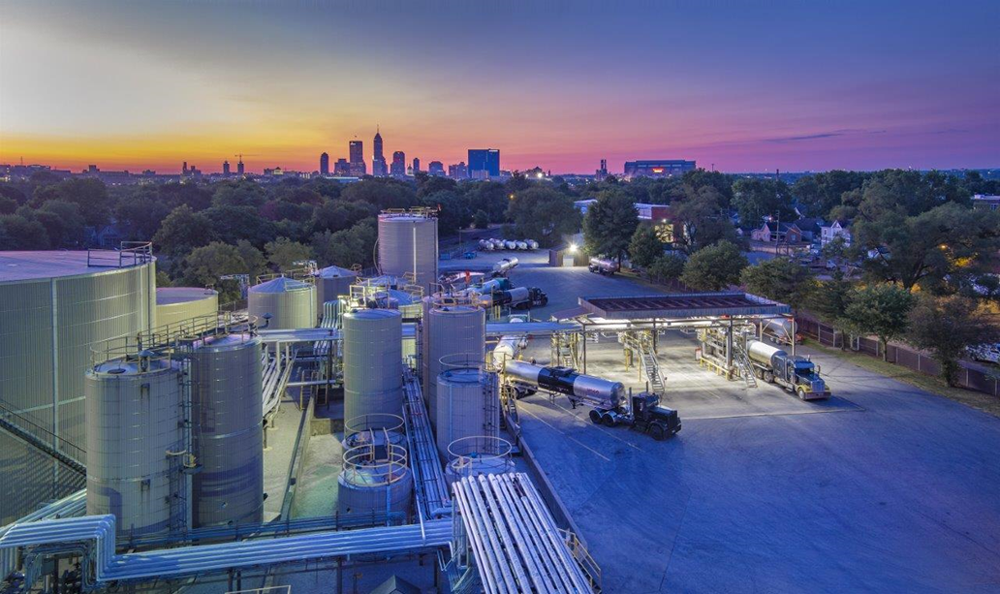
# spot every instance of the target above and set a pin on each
(746, 86)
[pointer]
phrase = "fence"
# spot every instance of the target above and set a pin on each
(968, 377)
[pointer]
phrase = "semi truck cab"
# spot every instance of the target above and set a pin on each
(803, 378)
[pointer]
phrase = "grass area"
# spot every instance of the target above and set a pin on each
(928, 383)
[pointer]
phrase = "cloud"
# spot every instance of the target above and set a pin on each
(821, 135)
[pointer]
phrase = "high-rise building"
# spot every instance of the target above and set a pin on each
(416, 165)
(603, 171)
(435, 168)
(225, 168)
(484, 163)
(357, 158)
(459, 171)
(324, 164)
(184, 168)
(379, 167)
(342, 168)
(239, 166)
(398, 167)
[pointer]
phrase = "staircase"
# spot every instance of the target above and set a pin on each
(42, 440)
(743, 363)
(509, 418)
(652, 370)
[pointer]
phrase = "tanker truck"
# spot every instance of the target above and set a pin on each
(518, 298)
(795, 374)
(603, 266)
(612, 405)
(503, 267)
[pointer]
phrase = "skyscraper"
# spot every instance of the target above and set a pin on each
(378, 160)
(484, 163)
(459, 171)
(239, 166)
(357, 158)
(398, 167)
(342, 168)
(416, 165)
(435, 168)
(225, 168)
(324, 164)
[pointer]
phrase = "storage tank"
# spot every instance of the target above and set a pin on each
(375, 482)
(378, 429)
(228, 436)
(332, 282)
(408, 242)
(291, 303)
(764, 353)
(135, 445)
(478, 455)
(373, 362)
(54, 305)
(450, 330)
(467, 405)
(177, 304)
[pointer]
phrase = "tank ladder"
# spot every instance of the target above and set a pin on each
(508, 401)
(744, 364)
(491, 405)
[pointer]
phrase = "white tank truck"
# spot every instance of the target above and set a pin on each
(603, 266)
(795, 374)
(612, 405)
(503, 267)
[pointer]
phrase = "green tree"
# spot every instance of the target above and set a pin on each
(667, 267)
(205, 264)
(946, 326)
(610, 224)
(182, 231)
(453, 211)
(780, 279)
(544, 215)
(253, 258)
(63, 223)
(347, 247)
(755, 199)
(140, 213)
(881, 309)
(645, 247)
(283, 253)
(700, 219)
(233, 223)
(481, 219)
(334, 215)
(830, 300)
(239, 193)
(91, 195)
(22, 233)
(714, 268)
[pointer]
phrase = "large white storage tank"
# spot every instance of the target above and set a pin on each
(467, 405)
(449, 330)
(290, 303)
(135, 445)
(53, 306)
(375, 484)
(228, 436)
(177, 304)
(332, 282)
(373, 362)
(408, 243)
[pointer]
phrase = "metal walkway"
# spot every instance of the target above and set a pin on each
(429, 479)
(493, 330)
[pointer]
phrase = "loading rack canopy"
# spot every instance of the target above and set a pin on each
(683, 306)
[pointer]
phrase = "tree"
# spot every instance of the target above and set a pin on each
(544, 215)
(205, 264)
(453, 211)
(182, 231)
(253, 258)
(946, 326)
(63, 223)
(645, 247)
(233, 223)
(610, 224)
(481, 220)
(755, 199)
(714, 268)
(780, 279)
(667, 267)
(334, 215)
(239, 193)
(489, 196)
(140, 213)
(382, 193)
(880, 309)
(22, 233)
(348, 247)
(91, 195)
(830, 299)
(283, 253)
(701, 219)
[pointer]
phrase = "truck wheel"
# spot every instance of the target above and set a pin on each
(657, 432)
(769, 377)
(595, 416)
(802, 394)
(608, 420)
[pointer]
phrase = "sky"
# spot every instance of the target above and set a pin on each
(753, 85)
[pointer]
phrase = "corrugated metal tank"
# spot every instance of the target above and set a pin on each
(176, 304)
(228, 437)
(373, 362)
(467, 406)
(409, 243)
(291, 303)
(135, 445)
(375, 481)
(54, 306)
(332, 282)
(449, 330)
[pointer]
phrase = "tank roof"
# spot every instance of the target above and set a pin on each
(130, 366)
(334, 272)
(172, 295)
(373, 314)
(282, 284)
(34, 265)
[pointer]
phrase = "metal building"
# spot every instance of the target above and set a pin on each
(467, 405)
(408, 243)
(375, 484)
(290, 303)
(54, 305)
(177, 304)
(136, 445)
(449, 330)
(332, 282)
(226, 410)
(373, 362)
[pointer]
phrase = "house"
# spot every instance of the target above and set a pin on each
(774, 232)
(810, 227)
(832, 232)
(984, 202)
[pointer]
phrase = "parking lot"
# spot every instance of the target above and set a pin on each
(894, 491)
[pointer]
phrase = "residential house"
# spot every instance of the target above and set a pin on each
(832, 232)
(984, 202)
(774, 232)
(810, 227)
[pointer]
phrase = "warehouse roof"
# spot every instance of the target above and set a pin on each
(682, 306)
(34, 265)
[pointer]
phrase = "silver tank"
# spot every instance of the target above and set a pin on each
(291, 303)
(764, 353)
(450, 330)
(467, 405)
(135, 445)
(228, 438)
(781, 328)
(373, 362)
(375, 481)
(331, 282)
(409, 243)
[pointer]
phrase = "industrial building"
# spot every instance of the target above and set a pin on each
(658, 168)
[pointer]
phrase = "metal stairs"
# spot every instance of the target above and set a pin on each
(30, 432)
(652, 370)
(744, 365)
(509, 418)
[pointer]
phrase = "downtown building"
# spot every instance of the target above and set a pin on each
(484, 163)
(658, 168)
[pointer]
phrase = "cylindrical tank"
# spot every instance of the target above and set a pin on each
(291, 303)
(177, 304)
(135, 445)
(375, 482)
(331, 282)
(373, 362)
(764, 353)
(566, 381)
(378, 429)
(478, 455)
(450, 330)
(467, 405)
(409, 243)
(228, 437)
(781, 328)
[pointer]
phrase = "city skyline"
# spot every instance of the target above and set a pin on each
(773, 85)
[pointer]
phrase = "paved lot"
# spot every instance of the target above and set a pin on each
(898, 491)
